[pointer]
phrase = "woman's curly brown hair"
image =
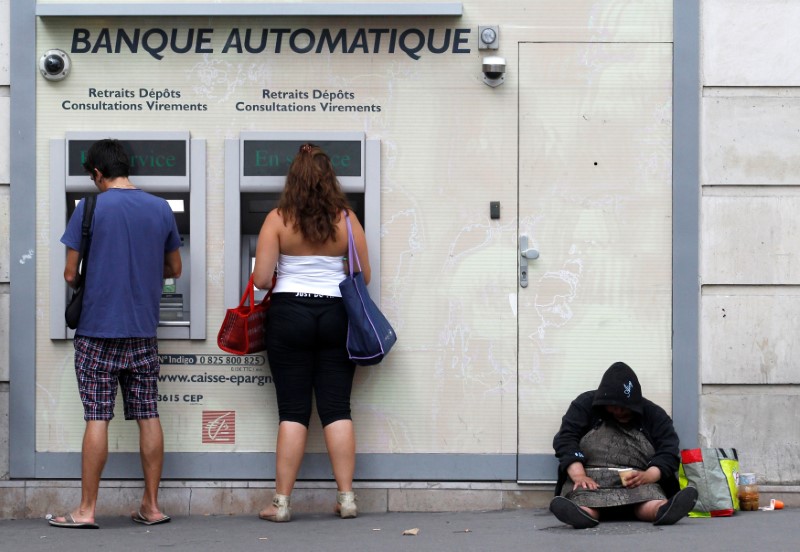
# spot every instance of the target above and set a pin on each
(312, 198)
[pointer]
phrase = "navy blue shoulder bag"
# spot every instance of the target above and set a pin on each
(369, 334)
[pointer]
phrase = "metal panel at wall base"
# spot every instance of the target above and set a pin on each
(316, 466)
(537, 468)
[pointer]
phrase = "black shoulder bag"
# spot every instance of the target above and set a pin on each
(73, 312)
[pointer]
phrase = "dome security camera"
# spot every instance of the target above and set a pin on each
(54, 65)
(494, 69)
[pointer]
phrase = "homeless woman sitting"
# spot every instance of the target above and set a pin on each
(608, 430)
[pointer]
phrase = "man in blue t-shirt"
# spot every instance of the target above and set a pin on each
(134, 245)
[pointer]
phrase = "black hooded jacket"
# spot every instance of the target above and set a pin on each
(619, 387)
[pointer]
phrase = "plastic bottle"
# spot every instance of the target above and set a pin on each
(748, 492)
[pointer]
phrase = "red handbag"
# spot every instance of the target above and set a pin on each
(243, 331)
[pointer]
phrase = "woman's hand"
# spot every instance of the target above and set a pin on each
(650, 475)
(584, 482)
(578, 475)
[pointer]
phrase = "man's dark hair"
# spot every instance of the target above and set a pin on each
(109, 157)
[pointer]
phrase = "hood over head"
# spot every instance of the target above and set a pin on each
(619, 387)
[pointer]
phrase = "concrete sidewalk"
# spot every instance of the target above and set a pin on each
(507, 530)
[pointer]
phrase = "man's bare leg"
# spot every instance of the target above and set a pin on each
(151, 451)
(94, 454)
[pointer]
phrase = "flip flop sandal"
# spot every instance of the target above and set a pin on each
(70, 523)
(139, 518)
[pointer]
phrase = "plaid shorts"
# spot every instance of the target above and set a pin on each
(133, 362)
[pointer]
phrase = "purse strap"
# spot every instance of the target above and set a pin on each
(86, 239)
(352, 254)
(250, 293)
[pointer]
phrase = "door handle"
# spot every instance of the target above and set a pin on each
(525, 254)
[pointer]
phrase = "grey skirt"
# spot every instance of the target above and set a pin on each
(608, 448)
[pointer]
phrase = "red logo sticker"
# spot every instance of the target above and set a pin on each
(219, 426)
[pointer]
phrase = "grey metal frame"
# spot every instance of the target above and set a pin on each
(686, 220)
(22, 309)
(238, 9)
(58, 253)
(26, 463)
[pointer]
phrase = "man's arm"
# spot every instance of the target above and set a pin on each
(172, 264)
(71, 267)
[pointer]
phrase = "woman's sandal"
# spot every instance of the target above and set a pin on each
(346, 504)
(570, 513)
(283, 509)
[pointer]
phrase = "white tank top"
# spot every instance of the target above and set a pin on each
(315, 274)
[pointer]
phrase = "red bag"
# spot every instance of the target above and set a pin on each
(243, 331)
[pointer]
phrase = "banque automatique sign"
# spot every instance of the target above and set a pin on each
(158, 42)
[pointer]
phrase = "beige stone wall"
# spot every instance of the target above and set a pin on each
(750, 258)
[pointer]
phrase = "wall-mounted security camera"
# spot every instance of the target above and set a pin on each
(54, 65)
(494, 69)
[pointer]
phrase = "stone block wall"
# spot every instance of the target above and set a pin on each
(750, 256)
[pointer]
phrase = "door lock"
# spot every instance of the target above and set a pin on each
(525, 254)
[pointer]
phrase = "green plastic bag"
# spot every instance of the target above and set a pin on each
(714, 472)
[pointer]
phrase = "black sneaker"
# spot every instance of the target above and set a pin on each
(570, 513)
(677, 507)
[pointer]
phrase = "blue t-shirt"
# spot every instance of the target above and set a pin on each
(131, 233)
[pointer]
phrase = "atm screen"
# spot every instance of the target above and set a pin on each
(178, 202)
(255, 207)
(273, 157)
(148, 157)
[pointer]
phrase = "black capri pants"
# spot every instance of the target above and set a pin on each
(306, 348)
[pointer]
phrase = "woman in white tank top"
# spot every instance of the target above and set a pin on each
(304, 239)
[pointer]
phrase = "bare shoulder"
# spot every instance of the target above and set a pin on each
(274, 220)
(350, 214)
(353, 218)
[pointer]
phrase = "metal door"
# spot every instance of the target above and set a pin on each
(595, 180)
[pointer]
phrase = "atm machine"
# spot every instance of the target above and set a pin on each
(255, 172)
(168, 164)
